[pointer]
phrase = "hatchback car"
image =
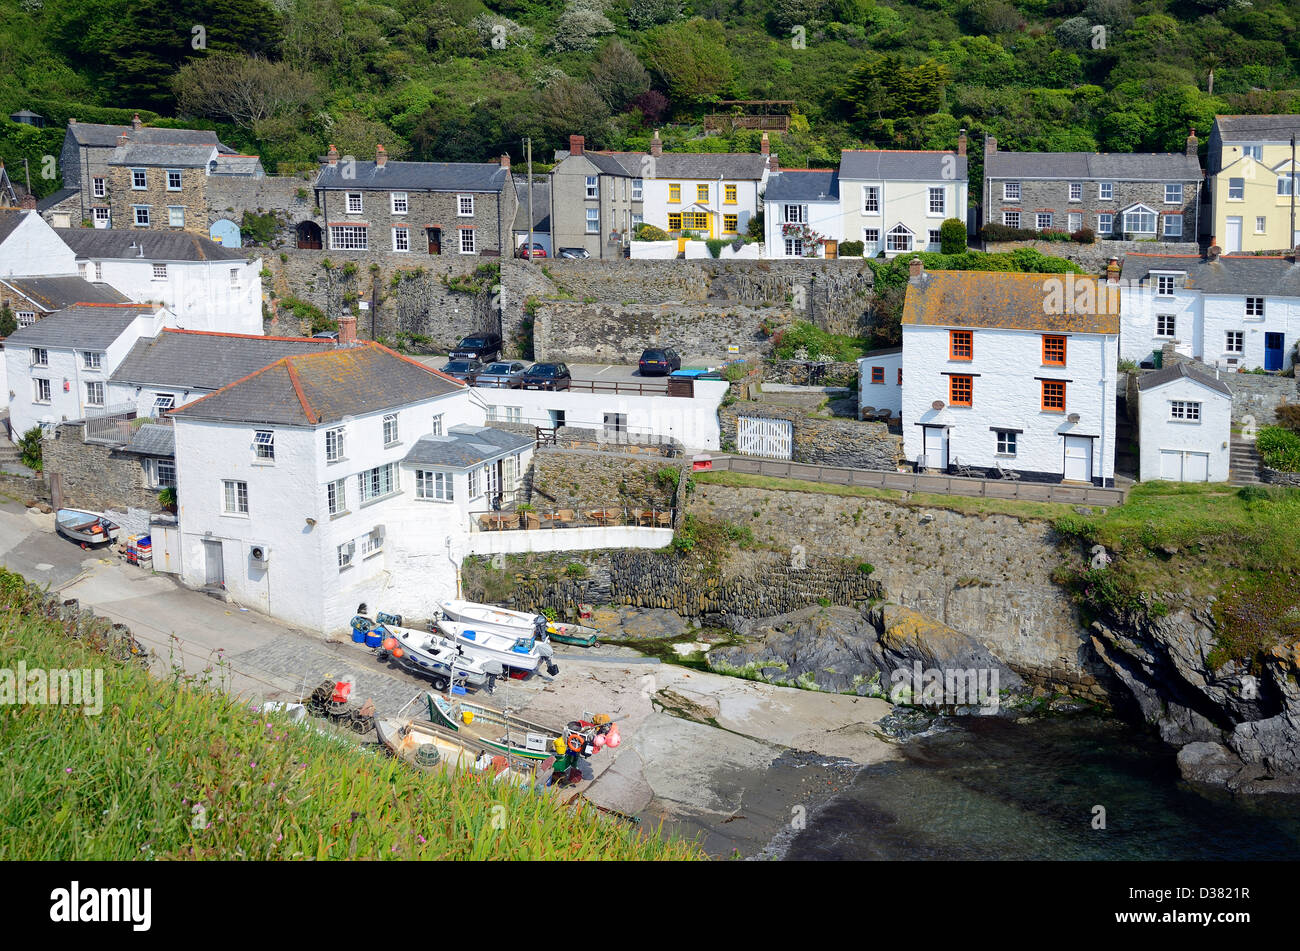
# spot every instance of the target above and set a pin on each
(659, 362)
(537, 251)
(547, 376)
(467, 370)
(573, 253)
(482, 347)
(503, 374)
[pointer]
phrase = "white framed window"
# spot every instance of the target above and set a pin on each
(1174, 194)
(164, 473)
(435, 428)
(347, 551)
(100, 215)
(593, 186)
(372, 541)
(176, 216)
(234, 278)
(468, 243)
(437, 486)
(1011, 191)
(794, 247)
(1011, 219)
(1105, 224)
(139, 181)
(1185, 410)
(378, 482)
(1076, 191)
(26, 317)
(160, 272)
(493, 484)
(1006, 442)
(349, 237)
(1140, 220)
(898, 239)
(1236, 189)
(938, 202)
(99, 187)
(401, 239)
(1173, 226)
(92, 359)
(234, 497)
(1285, 183)
(638, 189)
(1255, 307)
(1075, 221)
(141, 215)
(794, 214)
(95, 394)
(390, 429)
(1253, 151)
(471, 479)
(399, 202)
(40, 357)
(871, 199)
(465, 206)
(41, 390)
(1234, 341)
(1165, 285)
(935, 240)
(1043, 220)
(336, 496)
(334, 445)
(1105, 191)
(264, 444)
(593, 221)
(1165, 325)
(870, 242)
(173, 179)
(1261, 224)
(354, 205)
(164, 403)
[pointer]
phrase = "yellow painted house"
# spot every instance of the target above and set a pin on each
(1252, 177)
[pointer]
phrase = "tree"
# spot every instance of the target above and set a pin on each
(653, 106)
(242, 89)
(886, 88)
(579, 25)
(31, 448)
(689, 58)
(952, 236)
(569, 107)
(8, 324)
(617, 76)
(644, 14)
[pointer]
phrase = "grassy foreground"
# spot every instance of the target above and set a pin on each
(173, 770)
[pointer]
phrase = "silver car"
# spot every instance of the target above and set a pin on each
(503, 374)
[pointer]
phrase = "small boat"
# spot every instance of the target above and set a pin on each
(428, 747)
(521, 651)
(502, 732)
(88, 528)
(489, 617)
(440, 658)
(574, 634)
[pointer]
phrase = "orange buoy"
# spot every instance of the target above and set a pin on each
(390, 643)
(397, 652)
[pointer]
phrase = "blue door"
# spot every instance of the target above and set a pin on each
(225, 233)
(1272, 351)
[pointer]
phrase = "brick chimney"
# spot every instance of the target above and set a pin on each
(1192, 143)
(332, 156)
(576, 143)
(961, 143)
(347, 331)
(28, 201)
(505, 160)
(764, 146)
(656, 144)
(121, 140)
(136, 124)
(1214, 251)
(1112, 271)
(990, 145)
(773, 163)
(914, 269)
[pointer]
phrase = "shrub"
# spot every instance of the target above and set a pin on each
(1084, 236)
(851, 249)
(648, 232)
(715, 246)
(952, 236)
(668, 477)
(8, 323)
(261, 228)
(575, 569)
(167, 497)
(993, 231)
(30, 448)
(1279, 448)
(305, 311)
(1288, 415)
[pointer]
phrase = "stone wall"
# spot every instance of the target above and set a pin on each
(811, 373)
(829, 442)
(579, 479)
(230, 196)
(24, 488)
(192, 196)
(1094, 257)
(1277, 477)
(96, 477)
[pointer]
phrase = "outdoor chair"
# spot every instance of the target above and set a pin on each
(961, 469)
(1009, 474)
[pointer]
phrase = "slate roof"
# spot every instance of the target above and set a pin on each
(1228, 274)
(10, 219)
(309, 389)
(1104, 166)
(105, 136)
(734, 166)
(199, 360)
(152, 439)
(800, 185)
(172, 156)
(541, 206)
(1010, 301)
(1274, 128)
(80, 327)
(158, 245)
(1180, 371)
(464, 446)
(893, 164)
(56, 293)
(416, 176)
(52, 199)
(240, 165)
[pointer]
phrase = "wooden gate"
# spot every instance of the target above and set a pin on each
(757, 436)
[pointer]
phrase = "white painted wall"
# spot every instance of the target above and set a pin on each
(656, 207)
(900, 201)
(34, 249)
(568, 539)
(200, 293)
(1159, 431)
(823, 217)
(1139, 309)
(1006, 394)
(887, 395)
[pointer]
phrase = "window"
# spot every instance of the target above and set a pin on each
(1006, 442)
(435, 428)
(935, 239)
(506, 414)
(1054, 350)
(729, 193)
(696, 220)
(793, 247)
(40, 357)
(870, 242)
(234, 278)
(877, 374)
(1140, 220)
(960, 390)
(1105, 191)
(675, 221)
(871, 199)
(1165, 325)
(794, 214)
(336, 496)
(234, 497)
(1253, 151)
(593, 221)
(163, 403)
(378, 482)
(138, 179)
(636, 220)
(1011, 191)
(264, 444)
(1011, 219)
(1234, 341)
(1076, 191)
(675, 192)
(899, 239)
(173, 179)
(390, 429)
(347, 551)
(1186, 411)
(1236, 189)
(1173, 226)
(1254, 307)
(593, 186)
(160, 272)
(401, 239)
(399, 202)
(468, 243)
(41, 390)
(465, 206)
(471, 479)
(1261, 224)
(434, 485)
(1165, 285)
(1075, 221)
(1043, 220)
(101, 215)
(638, 187)
(141, 216)
(100, 188)
(349, 237)
(354, 203)
(92, 359)
(372, 542)
(1053, 396)
(176, 216)
(937, 201)
(730, 223)
(702, 193)
(615, 423)
(333, 445)
(1174, 194)
(94, 394)
(960, 345)
(1285, 182)
(164, 473)
(1105, 224)
(26, 318)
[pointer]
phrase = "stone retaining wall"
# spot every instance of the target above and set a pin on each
(583, 480)
(96, 477)
(24, 488)
(1277, 477)
(1094, 257)
(830, 442)
(811, 373)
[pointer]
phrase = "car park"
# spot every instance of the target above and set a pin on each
(467, 370)
(481, 347)
(547, 376)
(659, 361)
(504, 374)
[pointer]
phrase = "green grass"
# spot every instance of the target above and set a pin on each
(125, 784)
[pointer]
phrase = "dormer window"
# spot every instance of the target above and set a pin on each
(1165, 285)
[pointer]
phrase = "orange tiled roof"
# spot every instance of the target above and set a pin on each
(1051, 303)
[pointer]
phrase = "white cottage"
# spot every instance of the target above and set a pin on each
(1184, 425)
(880, 382)
(29, 246)
(896, 201)
(801, 214)
(1011, 371)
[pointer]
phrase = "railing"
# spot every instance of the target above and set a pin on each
(551, 518)
(717, 123)
(546, 433)
(110, 425)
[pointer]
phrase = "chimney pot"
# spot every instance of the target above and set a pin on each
(576, 144)
(990, 145)
(1214, 251)
(961, 143)
(333, 155)
(914, 268)
(505, 160)
(381, 156)
(347, 331)
(136, 123)
(765, 147)
(122, 140)
(656, 144)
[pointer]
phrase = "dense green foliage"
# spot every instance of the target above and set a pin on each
(1279, 448)
(31, 447)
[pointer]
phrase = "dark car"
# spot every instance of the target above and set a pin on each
(537, 251)
(504, 374)
(467, 370)
(546, 376)
(482, 347)
(659, 362)
(573, 253)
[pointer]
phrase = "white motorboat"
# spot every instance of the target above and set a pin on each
(520, 651)
(489, 617)
(441, 659)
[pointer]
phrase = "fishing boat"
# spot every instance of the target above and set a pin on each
(502, 732)
(489, 617)
(438, 658)
(521, 651)
(428, 747)
(88, 528)
(574, 634)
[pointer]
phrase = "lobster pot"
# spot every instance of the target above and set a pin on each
(361, 626)
(427, 755)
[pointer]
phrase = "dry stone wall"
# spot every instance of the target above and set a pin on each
(829, 442)
(577, 479)
(96, 477)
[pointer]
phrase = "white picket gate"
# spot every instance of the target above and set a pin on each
(757, 436)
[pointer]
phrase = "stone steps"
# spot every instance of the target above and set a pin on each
(1243, 463)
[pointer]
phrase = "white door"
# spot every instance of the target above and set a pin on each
(936, 448)
(1234, 235)
(1171, 465)
(757, 436)
(1078, 459)
(214, 564)
(1179, 466)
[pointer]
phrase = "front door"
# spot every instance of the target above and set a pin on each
(435, 240)
(936, 448)
(832, 249)
(214, 572)
(1273, 344)
(1234, 235)
(1078, 459)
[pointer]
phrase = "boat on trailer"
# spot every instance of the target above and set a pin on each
(439, 658)
(489, 617)
(88, 528)
(519, 650)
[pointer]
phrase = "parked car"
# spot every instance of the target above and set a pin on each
(467, 370)
(573, 253)
(537, 251)
(326, 335)
(503, 374)
(659, 361)
(482, 347)
(547, 376)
